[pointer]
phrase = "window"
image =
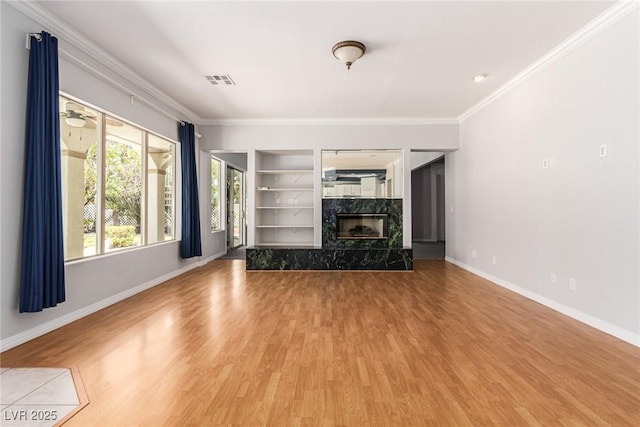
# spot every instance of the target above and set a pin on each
(118, 189)
(215, 195)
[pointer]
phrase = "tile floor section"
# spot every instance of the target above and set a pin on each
(36, 396)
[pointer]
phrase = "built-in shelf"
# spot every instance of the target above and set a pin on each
(286, 244)
(284, 184)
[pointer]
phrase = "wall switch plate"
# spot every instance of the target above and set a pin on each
(473, 253)
(494, 260)
(552, 162)
(572, 284)
(554, 278)
(603, 150)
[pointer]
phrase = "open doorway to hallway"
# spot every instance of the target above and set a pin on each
(428, 205)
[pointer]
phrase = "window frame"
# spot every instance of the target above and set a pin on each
(101, 142)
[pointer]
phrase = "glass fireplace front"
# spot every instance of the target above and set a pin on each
(362, 226)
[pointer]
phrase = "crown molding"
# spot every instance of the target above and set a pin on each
(593, 28)
(64, 31)
(382, 121)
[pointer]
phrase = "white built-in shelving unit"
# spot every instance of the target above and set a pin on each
(284, 202)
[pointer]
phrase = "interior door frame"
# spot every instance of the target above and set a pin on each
(230, 235)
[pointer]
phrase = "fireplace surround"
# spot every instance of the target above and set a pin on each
(362, 251)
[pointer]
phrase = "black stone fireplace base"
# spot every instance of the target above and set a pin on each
(273, 258)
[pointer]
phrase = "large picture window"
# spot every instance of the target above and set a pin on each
(118, 189)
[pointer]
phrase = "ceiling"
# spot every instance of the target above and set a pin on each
(420, 61)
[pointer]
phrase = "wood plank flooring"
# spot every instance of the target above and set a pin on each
(438, 346)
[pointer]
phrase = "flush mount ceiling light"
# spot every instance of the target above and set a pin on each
(480, 77)
(348, 51)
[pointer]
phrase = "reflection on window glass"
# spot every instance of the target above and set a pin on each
(78, 143)
(215, 195)
(160, 154)
(123, 186)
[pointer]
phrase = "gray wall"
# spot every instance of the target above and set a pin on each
(237, 160)
(427, 202)
(91, 283)
(578, 218)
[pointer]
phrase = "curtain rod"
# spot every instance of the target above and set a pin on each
(108, 79)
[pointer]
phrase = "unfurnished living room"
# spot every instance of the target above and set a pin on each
(336, 213)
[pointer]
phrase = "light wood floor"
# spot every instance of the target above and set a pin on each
(438, 346)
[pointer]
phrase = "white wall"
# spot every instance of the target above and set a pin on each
(91, 283)
(579, 218)
(443, 137)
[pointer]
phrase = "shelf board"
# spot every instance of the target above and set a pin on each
(284, 207)
(285, 226)
(285, 171)
(285, 189)
(293, 244)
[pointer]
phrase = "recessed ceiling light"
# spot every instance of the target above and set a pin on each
(480, 77)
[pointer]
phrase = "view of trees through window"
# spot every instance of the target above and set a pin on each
(118, 191)
(215, 195)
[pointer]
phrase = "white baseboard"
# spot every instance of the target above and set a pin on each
(592, 321)
(218, 255)
(51, 325)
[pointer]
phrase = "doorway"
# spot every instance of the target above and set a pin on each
(428, 209)
(236, 224)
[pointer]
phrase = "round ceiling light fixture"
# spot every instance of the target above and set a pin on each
(348, 51)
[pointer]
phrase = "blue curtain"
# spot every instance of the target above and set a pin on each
(42, 271)
(190, 244)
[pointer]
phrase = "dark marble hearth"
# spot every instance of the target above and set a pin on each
(263, 258)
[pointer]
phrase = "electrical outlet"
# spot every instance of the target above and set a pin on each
(603, 150)
(473, 253)
(545, 163)
(572, 284)
(554, 278)
(494, 260)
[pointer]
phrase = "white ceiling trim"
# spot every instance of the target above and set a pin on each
(62, 30)
(593, 28)
(390, 121)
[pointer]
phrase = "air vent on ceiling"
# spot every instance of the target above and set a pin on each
(222, 79)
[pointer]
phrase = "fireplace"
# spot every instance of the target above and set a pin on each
(361, 226)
